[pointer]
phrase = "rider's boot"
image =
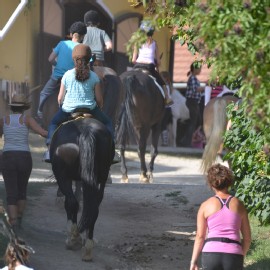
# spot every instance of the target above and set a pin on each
(46, 155)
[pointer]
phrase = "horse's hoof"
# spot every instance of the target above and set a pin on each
(74, 239)
(87, 250)
(124, 179)
(143, 179)
(150, 178)
(74, 243)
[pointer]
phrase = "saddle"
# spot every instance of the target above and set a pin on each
(81, 112)
(142, 70)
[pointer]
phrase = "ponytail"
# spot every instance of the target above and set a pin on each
(82, 68)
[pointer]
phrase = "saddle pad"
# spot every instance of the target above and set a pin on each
(158, 85)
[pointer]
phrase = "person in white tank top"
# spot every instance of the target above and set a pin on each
(147, 57)
(16, 158)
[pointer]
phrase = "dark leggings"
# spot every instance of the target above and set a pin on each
(17, 167)
(222, 261)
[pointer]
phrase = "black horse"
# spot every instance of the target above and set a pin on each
(112, 90)
(82, 150)
(142, 112)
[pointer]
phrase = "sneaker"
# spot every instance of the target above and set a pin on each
(46, 157)
(117, 158)
(169, 101)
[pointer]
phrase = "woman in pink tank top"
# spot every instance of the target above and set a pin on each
(221, 222)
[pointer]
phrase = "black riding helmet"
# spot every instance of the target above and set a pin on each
(91, 17)
(79, 28)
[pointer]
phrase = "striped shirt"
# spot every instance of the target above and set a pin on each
(15, 134)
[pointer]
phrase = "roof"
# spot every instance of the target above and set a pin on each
(182, 61)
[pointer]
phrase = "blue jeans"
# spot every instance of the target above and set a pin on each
(50, 88)
(62, 116)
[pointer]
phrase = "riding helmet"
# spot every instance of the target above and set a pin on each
(147, 27)
(82, 51)
(79, 28)
(91, 17)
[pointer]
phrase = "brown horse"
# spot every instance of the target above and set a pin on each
(214, 125)
(141, 114)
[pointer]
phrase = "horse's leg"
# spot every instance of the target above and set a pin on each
(123, 167)
(174, 130)
(74, 240)
(93, 198)
(143, 134)
(154, 150)
(109, 179)
(78, 190)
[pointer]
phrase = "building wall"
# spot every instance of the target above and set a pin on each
(18, 47)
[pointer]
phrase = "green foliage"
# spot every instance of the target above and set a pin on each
(250, 164)
(137, 39)
(258, 255)
(233, 37)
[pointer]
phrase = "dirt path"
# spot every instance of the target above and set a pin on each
(139, 227)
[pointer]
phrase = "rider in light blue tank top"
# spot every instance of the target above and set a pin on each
(79, 94)
(80, 88)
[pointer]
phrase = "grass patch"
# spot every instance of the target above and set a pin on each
(258, 257)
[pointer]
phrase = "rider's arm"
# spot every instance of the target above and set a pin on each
(52, 58)
(107, 42)
(135, 55)
(157, 57)
(31, 123)
(61, 94)
(108, 46)
(98, 94)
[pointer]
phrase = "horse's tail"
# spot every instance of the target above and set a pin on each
(125, 129)
(216, 136)
(87, 146)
